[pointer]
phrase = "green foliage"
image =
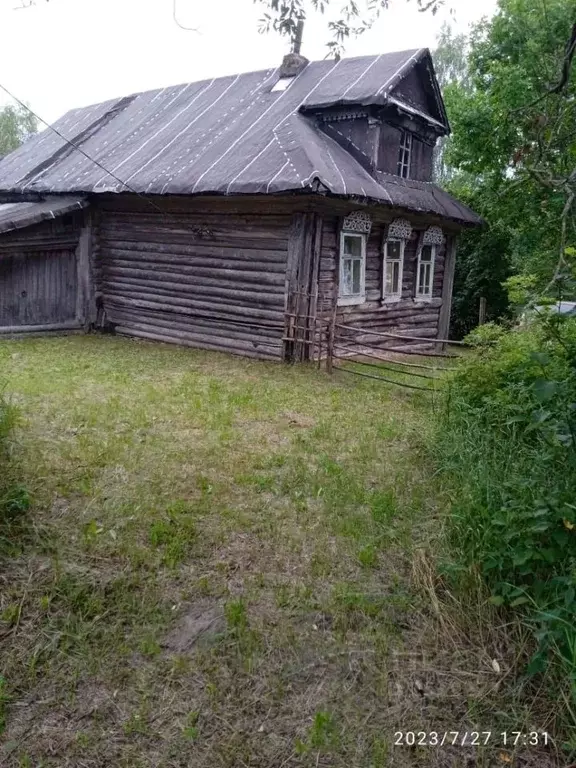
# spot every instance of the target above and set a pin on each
(507, 440)
(16, 125)
(14, 499)
(323, 734)
(482, 265)
(512, 150)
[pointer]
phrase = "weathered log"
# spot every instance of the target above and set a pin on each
(187, 289)
(209, 344)
(222, 277)
(10, 330)
(268, 240)
(147, 261)
(206, 329)
(261, 277)
(205, 204)
(185, 306)
(195, 250)
(207, 316)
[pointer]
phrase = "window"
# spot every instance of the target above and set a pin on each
(352, 268)
(393, 263)
(282, 84)
(425, 272)
(405, 156)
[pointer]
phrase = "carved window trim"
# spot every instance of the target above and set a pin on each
(433, 236)
(400, 229)
(358, 221)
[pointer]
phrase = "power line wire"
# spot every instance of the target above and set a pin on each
(78, 148)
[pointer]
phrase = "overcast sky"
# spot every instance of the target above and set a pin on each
(67, 53)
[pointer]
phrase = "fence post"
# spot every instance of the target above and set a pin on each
(330, 347)
(332, 332)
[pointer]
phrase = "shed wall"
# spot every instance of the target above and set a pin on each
(39, 276)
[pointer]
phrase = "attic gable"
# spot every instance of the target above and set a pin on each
(405, 80)
(418, 93)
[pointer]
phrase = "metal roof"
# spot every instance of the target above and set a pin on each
(20, 215)
(231, 135)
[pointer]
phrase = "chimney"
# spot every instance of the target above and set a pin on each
(294, 62)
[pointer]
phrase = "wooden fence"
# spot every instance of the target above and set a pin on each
(363, 352)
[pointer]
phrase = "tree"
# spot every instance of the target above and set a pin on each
(356, 16)
(451, 65)
(16, 125)
(512, 154)
(514, 129)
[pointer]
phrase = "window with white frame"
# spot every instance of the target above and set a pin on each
(425, 272)
(393, 268)
(352, 268)
(405, 155)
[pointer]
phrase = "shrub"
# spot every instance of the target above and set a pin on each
(507, 439)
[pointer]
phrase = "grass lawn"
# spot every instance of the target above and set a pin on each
(225, 564)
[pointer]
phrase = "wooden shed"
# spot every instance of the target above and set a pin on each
(42, 275)
(233, 214)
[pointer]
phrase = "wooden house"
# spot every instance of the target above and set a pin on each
(232, 214)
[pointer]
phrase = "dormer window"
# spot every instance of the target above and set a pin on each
(405, 155)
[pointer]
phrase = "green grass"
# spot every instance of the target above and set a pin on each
(224, 564)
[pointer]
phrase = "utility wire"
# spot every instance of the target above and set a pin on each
(77, 148)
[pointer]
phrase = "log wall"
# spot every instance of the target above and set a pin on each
(209, 275)
(39, 277)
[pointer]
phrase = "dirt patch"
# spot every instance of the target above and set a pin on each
(201, 624)
(295, 419)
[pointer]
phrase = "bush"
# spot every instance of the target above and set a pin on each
(507, 439)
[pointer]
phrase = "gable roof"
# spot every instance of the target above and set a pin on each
(231, 135)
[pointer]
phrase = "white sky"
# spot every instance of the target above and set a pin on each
(68, 53)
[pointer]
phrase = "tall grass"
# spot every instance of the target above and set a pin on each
(13, 496)
(507, 443)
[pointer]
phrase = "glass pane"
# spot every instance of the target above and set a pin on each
(346, 287)
(357, 276)
(394, 250)
(426, 254)
(392, 281)
(424, 282)
(389, 280)
(396, 277)
(352, 246)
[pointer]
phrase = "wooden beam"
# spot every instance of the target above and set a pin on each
(447, 288)
(10, 330)
(85, 302)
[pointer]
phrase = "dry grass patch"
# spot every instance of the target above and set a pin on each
(218, 569)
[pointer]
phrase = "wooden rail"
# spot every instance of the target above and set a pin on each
(421, 339)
